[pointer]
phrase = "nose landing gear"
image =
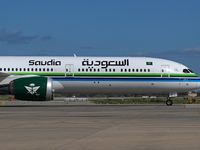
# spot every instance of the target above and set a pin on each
(169, 102)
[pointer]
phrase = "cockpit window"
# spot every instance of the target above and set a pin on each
(186, 71)
(191, 71)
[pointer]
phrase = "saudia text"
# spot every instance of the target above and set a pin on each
(51, 62)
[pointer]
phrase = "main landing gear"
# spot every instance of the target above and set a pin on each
(169, 102)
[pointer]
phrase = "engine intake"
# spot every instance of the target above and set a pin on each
(32, 88)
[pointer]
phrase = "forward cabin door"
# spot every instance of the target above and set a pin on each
(165, 71)
(69, 70)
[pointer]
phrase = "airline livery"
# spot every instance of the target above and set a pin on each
(38, 78)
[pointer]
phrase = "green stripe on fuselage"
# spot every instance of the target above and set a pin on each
(108, 74)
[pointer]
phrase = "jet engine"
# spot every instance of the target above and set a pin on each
(32, 88)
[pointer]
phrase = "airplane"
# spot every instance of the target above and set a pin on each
(39, 78)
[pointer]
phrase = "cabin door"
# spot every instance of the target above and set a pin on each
(69, 70)
(165, 71)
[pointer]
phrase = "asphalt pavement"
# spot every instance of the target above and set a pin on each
(85, 126)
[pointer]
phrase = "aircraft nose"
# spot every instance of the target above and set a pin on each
(198, 84)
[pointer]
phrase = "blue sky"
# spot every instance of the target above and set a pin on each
(157, 28)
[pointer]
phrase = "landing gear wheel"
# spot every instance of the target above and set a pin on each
(169, 102)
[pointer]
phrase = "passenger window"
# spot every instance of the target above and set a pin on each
(0, 69)
(133, 70)
(136, 70)
(148, 70)
(140, 70)
(121, 70)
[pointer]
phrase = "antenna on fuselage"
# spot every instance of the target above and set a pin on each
(74, 55)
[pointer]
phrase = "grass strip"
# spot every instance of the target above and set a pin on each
(143, 101)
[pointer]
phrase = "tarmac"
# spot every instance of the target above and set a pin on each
(59, 125)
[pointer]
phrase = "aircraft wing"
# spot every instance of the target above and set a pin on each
(3, 76)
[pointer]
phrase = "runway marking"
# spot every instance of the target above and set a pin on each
(3, 103)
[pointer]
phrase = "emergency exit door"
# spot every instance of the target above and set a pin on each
(165, 71)
(69, 70)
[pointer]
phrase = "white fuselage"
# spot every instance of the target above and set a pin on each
(137, 75)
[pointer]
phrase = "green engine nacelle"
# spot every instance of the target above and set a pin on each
(32, 88)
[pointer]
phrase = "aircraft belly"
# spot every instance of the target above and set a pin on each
(105, 87)
(102, 87)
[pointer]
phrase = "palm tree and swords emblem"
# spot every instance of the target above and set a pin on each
(32, 89)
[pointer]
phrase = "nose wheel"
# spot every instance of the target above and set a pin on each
(169, 102)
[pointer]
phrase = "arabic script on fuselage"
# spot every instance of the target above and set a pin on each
(105, 64)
